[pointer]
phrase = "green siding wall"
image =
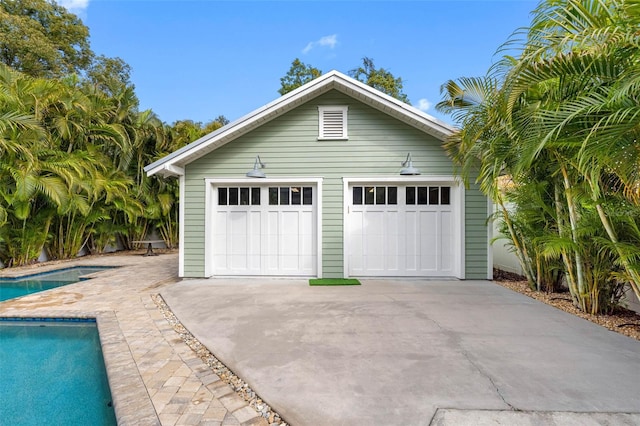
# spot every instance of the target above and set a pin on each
(476, 236)
(376, 146)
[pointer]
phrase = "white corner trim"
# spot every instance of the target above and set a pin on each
(181, 220)
(345, 230)
(208, 228)
(319, 228)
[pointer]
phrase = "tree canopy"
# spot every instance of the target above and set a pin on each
(42, 39)
(107, 72)
(73, 143)
(378, 78)
(298, 75)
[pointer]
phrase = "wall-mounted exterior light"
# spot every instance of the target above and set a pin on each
(256, 172)
(407, 167)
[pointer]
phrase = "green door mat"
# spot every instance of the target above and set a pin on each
(333, 281)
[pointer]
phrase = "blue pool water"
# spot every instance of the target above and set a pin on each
(21, 286)
(52, 373)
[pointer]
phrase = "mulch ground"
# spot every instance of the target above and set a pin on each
(623, 321)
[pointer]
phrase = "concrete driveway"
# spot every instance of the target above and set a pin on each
(412, 352)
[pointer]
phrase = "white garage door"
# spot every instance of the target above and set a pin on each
(264, 230)
(401, 230)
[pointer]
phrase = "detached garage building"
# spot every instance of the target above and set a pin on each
(334, 179)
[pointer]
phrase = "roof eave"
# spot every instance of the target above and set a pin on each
(405, 112)
(165, 170)
(315, 88)
(244, 124)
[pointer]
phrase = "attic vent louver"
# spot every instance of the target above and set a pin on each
(333, 122)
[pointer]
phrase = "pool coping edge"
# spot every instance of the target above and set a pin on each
(131, 401)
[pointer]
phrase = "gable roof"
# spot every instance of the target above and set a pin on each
(173, 164)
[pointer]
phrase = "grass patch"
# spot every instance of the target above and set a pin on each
(333, 281)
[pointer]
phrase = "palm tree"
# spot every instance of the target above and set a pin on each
(63, 151)
(32, 174)
(567, 106)
(588, 52)
(481, 148)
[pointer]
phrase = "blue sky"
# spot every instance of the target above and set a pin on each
(201, 59)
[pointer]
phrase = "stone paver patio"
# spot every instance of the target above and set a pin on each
(154, 376)
(496, 347)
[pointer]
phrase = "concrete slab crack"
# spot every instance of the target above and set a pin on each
(478, 368)
(496, 387)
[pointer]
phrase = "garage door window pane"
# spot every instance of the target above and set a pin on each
(445, 195)
(357, 195)
(296, 196)
(392, 195)
(411, 195)
(273, 196)
(284, 196)
(434, 193)
(255, 196)
(233, 196)
(307, 195)
(381, 196)
(369, 194)
(244, 196)
(422, 195)
(222, 196)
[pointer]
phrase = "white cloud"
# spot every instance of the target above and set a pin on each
(74, 6)
(423, 104)
(308, 48)
(329, 41)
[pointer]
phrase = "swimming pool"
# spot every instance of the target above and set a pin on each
(27, 284)
(52, 372)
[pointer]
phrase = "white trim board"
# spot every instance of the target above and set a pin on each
(181, 218)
